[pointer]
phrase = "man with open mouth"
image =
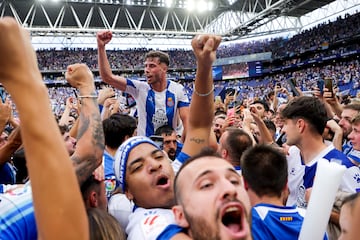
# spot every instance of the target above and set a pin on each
(211, 200)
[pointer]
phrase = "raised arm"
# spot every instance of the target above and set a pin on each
(202, 103)
(264, 131)
(5, 112)
(59, 208)
(13, 143)
(90, 137)
(103, 38)
(184, 116)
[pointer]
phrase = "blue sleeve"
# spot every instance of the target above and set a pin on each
(7, 174)
(182, 157)
(183, 104)
(169, 232)
(101, 107)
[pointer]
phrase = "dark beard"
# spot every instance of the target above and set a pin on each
(200, 229)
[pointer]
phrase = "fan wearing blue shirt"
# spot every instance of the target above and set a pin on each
(264, 170)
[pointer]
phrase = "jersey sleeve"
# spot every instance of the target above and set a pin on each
(134, 87)
(183, 98)
(149, 224)
(169, 232)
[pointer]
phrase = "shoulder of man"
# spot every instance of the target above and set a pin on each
(148, 223)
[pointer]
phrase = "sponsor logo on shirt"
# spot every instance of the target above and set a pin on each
(110, 185)
(153, 224)
(286, 219)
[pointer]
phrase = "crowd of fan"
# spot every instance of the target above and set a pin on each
(253, 121)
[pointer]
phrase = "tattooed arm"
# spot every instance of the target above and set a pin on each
(202, 103)
(90, 137)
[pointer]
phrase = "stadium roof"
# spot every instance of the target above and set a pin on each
(161, 19)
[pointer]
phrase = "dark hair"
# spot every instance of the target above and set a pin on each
(165, 129)
(104, 226)
(219, 112)
(205, 152)
(350, 199)
(63, 129)
(264, 168)
(270, 125)
(236, 142)
(90, 184)
(266, 106)
(309, 108)
(116, 128)
(271, 93)
(163, 57)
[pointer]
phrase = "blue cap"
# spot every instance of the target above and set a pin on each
(122, 155)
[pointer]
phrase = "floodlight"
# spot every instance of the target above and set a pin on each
(190, 5)
(200, 6)
(168, 3)
(210, 6)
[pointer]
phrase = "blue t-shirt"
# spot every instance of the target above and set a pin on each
(17, 218)
(276, 222)
(110, 180)
(7, 174)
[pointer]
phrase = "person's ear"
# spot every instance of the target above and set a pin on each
(246, 184)
(93, 201)
(164, 67)
(301, 124)
(180, 219)
(129, 195)
(224, 153)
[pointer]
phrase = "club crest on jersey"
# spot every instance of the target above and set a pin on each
(170, 102)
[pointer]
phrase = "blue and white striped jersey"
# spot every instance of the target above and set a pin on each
(156, 109)
(17, 219)
(301, 176)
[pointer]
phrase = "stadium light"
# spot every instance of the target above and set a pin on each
(200, 6)
(210, 5)
(168, 3)
(190, 6)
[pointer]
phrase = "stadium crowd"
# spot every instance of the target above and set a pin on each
(164, 159)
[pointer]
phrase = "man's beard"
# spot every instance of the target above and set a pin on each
(200, 229)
